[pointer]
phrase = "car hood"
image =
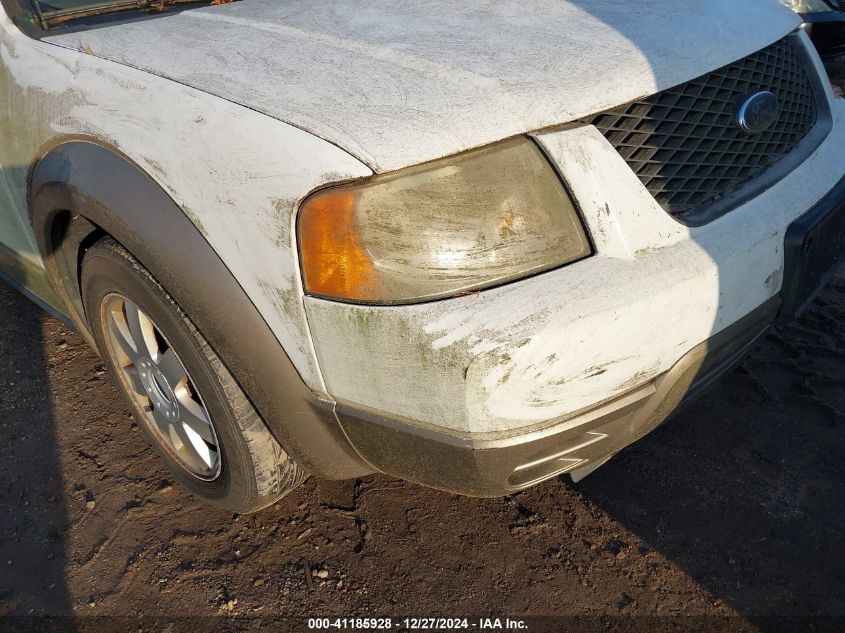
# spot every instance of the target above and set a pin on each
(397, 83)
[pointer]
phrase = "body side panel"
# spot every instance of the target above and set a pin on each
(238, 175)
(132, 208)
(214, 220)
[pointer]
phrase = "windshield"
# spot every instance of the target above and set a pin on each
(64, 5)
(56, 12)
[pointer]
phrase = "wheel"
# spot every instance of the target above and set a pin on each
(188, 405)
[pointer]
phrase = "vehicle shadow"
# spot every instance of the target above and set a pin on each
(744, 490)
(33, 512)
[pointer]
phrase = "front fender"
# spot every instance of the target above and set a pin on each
(81, 189)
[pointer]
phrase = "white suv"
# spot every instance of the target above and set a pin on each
(473, 245)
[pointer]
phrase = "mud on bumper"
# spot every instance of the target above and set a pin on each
(493, 464)
(489, 465)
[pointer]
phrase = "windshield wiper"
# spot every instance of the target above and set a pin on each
(49, 19)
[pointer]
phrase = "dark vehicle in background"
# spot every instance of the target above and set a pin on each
(825, 22)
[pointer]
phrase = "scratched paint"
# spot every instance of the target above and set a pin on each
(400, 83)
(238, 174)
(496, 361)
(532, 352)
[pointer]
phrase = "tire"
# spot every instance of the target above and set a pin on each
(236, 464)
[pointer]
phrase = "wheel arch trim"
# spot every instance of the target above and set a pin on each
(80, 188)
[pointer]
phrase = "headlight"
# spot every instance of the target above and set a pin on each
(457, 224)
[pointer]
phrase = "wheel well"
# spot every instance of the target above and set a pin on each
(120, 200)
(70, 236)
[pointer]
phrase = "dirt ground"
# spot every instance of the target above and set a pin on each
(733, 510)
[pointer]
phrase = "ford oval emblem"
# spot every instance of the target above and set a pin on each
(758, 112)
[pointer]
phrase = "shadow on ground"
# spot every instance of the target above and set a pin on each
(744, 492)
(733, 509)
(33, 515)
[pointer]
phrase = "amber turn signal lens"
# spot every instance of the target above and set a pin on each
(335, 262)
(454, 225)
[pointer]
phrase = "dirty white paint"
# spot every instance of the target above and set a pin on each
(463, 75)
(398, 83)
(238, 174)
(536, 350)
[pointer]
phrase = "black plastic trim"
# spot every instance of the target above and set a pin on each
(88, 181)
(808, 264)
(784, 166)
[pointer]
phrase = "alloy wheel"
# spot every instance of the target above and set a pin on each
(157, 381)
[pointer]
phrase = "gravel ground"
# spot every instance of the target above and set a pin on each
(734, 509)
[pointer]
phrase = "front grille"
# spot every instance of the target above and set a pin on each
(685, 144)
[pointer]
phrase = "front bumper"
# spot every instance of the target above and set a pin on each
(479, 465)
(434, 392)
(489, 467)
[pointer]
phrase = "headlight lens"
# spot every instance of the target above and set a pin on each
(454, 225)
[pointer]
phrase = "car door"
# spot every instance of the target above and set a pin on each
(19, 258)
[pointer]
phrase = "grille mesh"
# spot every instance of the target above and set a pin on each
(684, 143)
